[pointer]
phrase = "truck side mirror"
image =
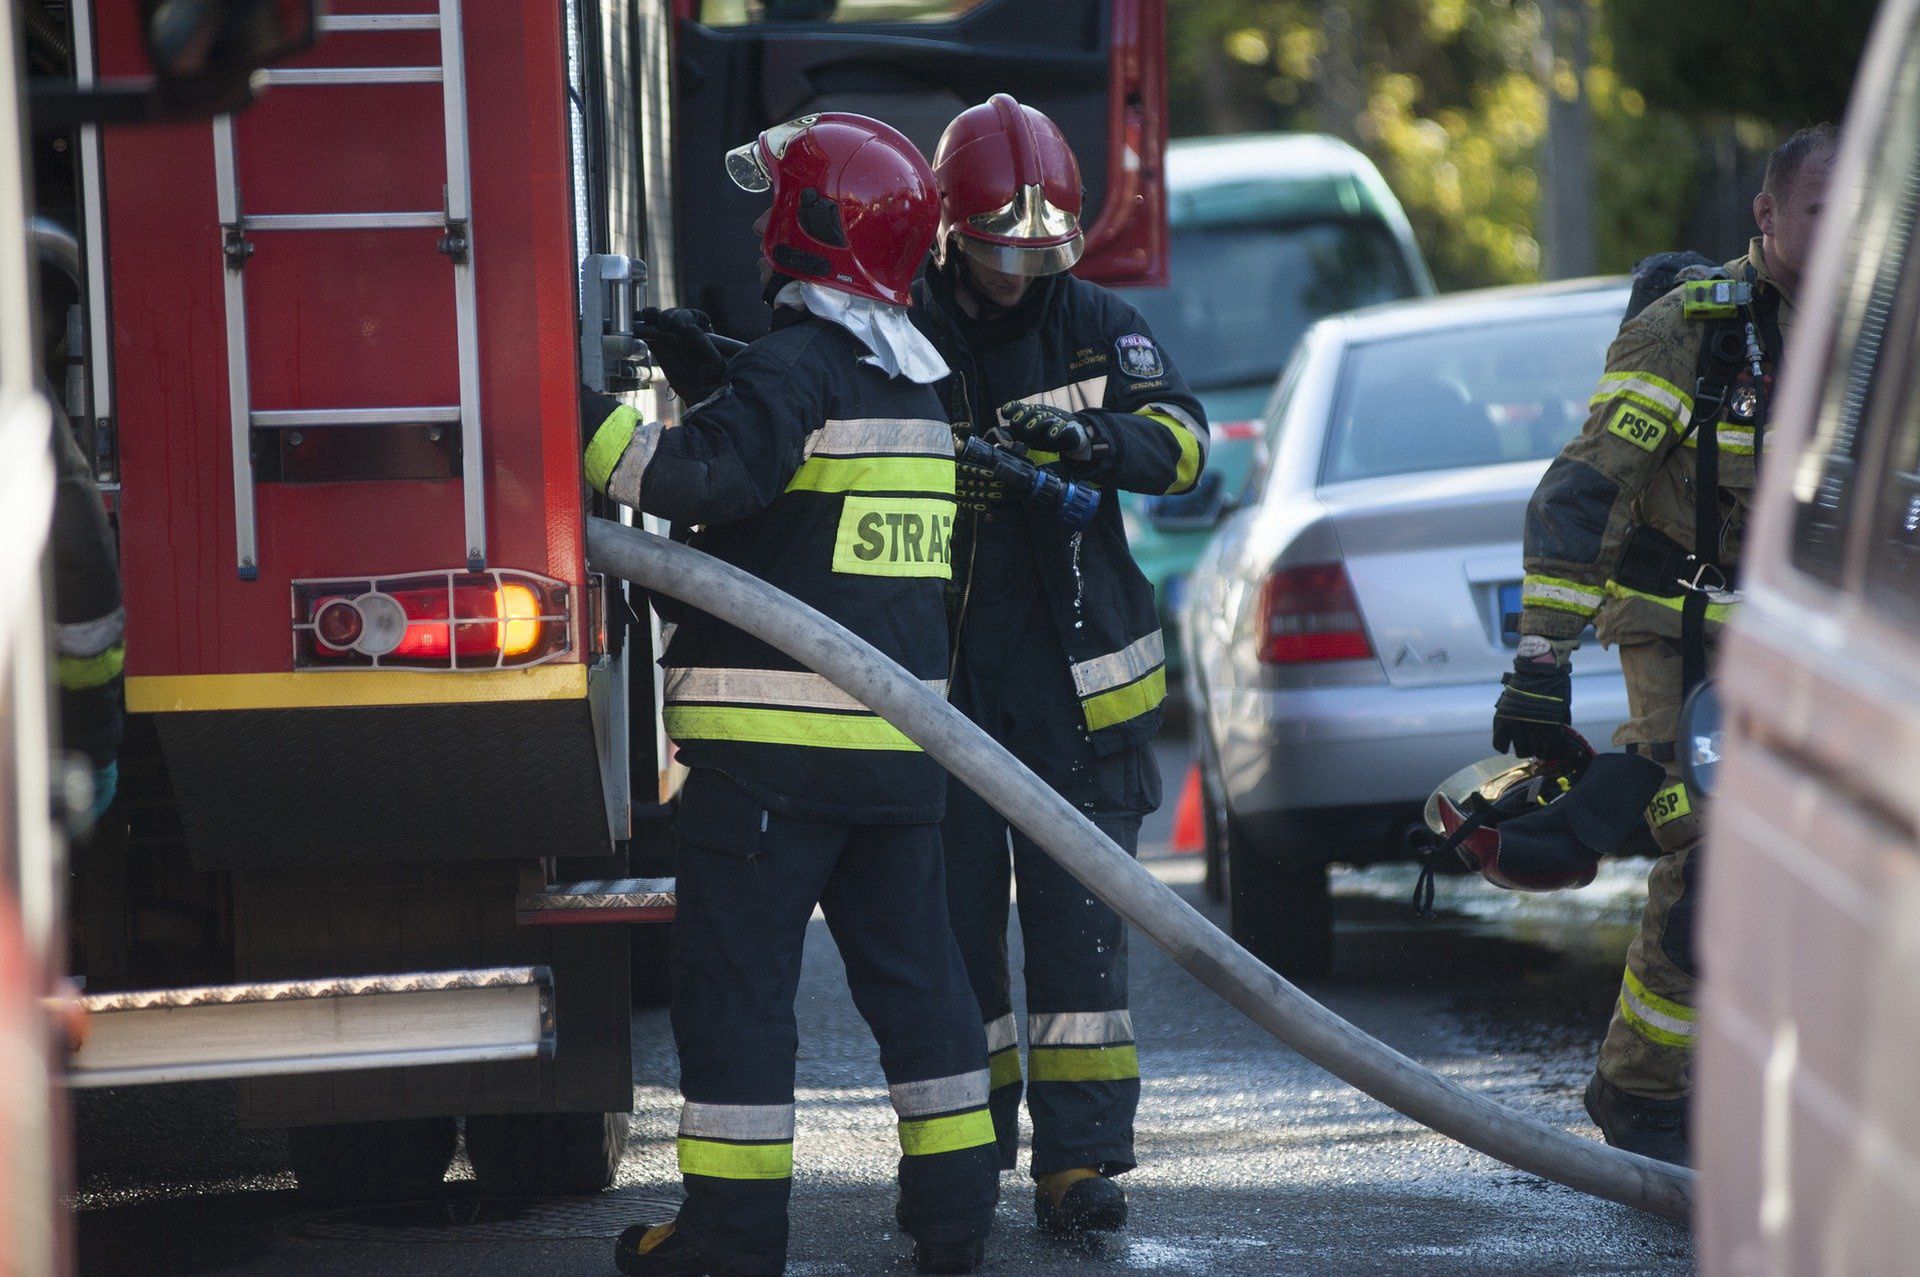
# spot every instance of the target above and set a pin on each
(1197, 510)
(1701, 734)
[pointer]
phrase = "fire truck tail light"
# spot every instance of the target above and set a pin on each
(431, 621)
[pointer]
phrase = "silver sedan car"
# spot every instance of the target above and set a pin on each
(1346, 630)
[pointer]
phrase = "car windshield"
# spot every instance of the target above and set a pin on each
(1469, 396)
(1242, 295)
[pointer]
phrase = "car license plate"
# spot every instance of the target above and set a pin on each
(1510, 615)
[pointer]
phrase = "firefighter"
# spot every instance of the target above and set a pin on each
(822, 464)
(89, 632)
(1057, 647)
(1617, 536)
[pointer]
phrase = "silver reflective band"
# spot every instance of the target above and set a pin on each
(894, 436)
(1117, 669)
(747, 170)
(623, 485)
(1001, 1034)
(1089, 392)
(1080, 1028)
(764, 1122)
(939, 1094)
(90, 638)
(793, 689)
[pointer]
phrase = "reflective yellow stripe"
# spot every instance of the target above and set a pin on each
(1735, 440)
(1003, 1068)
(173, 693)
(873, 474)
(609, 441)
(719, 1160)
(1717, 612)
(1669, 805)
(1561, 594)
(895, 536)
(926, 1136)
(1653, 1017)
(1186, 472)
(78, 673)
(1656, 392)
(784, 727)
(1123, 703)
(1084, 1063)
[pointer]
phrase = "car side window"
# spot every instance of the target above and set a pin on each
(1829, 490)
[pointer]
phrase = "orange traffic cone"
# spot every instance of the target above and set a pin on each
(1189, 822)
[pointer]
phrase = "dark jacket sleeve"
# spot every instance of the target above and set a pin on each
(1155, 427)
(733, 454)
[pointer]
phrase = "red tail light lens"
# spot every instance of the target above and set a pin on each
(431, 620)
(1236, 431)
(1310, 614)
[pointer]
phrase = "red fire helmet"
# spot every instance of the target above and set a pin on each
(854, 206)
(1009, 189)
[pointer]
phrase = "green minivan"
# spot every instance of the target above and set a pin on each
(1270, 232)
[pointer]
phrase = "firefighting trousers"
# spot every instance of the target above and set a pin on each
(748, 883)
(1649, 1045)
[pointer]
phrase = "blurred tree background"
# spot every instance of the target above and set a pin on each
(1531, 139)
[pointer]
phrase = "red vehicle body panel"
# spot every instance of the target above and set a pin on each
(341, 319)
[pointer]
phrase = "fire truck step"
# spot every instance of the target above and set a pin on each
(599, 900)
(327, 1025)
(332, 22)
(327, 418)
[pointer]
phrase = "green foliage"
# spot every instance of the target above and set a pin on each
(1787, 62)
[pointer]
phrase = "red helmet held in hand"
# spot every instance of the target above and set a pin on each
(1009, 190)
(854, 206)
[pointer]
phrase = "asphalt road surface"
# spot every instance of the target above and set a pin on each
(1252, 1161)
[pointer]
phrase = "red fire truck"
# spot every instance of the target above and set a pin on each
(394, 778)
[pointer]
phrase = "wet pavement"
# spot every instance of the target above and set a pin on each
(1252, 1161)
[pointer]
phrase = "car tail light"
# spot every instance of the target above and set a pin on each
(1310, 614)
(430, 620)
(1236, 431)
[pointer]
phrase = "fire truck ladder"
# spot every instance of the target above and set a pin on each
(456, 243)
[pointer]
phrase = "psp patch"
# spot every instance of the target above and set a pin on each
(1139, 357)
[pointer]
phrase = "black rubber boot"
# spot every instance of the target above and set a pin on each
(1074, 1203)
(661, 1250)
(949, 1257)
(1652, 1128)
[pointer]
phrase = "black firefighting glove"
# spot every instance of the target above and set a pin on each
(1534, 714)
(1052, 430)
(681, 343)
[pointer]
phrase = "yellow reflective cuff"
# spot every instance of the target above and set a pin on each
(1560, 594)
(923, 1137)
(1716, 612)
(895, 536)
(1003, 1068)
(609, 441)
(1642, 429)
(1657, 1019)
(79, 673)
(1084, 1063)
(1669, 805)
(873, 474)
(1123, 703)
(719, 1159)
(1186, 471)
(762, 726)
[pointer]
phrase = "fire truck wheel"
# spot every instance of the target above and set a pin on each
(546, 1154)
(652, 981)
(372, 1161)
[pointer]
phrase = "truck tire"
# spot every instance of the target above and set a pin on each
(1281, 913)
(651, 984)
(358, 1162)
(546, 1154)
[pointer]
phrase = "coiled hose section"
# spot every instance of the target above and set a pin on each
(724, 591)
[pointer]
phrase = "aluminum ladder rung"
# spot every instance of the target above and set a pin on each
(456, 243)
(333, 22)
(328, 418)
(312, 76)
(343, 221)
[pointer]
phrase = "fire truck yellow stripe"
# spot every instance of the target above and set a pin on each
(177, 693)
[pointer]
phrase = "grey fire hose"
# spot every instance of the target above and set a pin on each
(724, 591)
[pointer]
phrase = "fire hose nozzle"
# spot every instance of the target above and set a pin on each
(1073, 504)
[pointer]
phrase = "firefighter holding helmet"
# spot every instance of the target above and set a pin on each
(821, 462)
(1637, 528)
(1057, 647)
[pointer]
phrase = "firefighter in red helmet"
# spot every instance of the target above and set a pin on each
(814, 437)
(1058, 650)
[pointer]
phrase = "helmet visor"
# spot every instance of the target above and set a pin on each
(747, 165)
(1028, 235)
